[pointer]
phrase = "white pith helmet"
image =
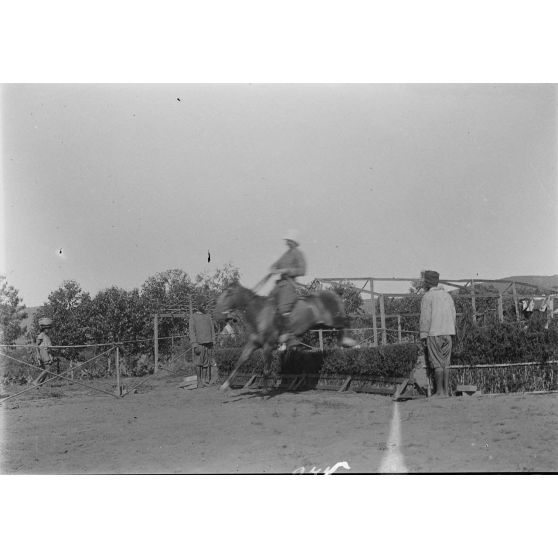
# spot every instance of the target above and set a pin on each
(45, 322)
(292, 234)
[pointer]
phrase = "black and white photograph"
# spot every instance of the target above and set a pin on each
(279, 278)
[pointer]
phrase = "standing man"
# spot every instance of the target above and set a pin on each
(437, 325)
(202, 338)
(289, 266)
(43, 350)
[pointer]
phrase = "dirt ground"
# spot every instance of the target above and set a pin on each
(165, 429)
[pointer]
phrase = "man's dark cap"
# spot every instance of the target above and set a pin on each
(431, 278)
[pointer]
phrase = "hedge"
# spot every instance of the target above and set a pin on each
(513, 378)
(505, 343)
(395, 361)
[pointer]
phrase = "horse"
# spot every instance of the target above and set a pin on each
(323, 308)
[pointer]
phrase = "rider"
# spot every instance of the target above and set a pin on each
(289, 266)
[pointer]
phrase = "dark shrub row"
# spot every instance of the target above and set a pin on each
(388, 360)
(505, 343)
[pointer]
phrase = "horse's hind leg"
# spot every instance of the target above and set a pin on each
(245, 355)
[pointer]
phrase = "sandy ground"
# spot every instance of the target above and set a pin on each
(165, 429)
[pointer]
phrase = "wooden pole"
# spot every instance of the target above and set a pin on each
(399, 328)
(515, 302)
(156, 342)
(321, 337)
(473, 301)
(117, 365)
(501, 309)
(189, 322)
(383, 320)
(374, 325)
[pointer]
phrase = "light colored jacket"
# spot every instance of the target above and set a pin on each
(44, 343)
(293, 262)
(437, 313)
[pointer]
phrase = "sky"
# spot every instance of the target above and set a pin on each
(110, 184)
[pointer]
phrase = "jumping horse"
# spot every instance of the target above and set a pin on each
(322, 308)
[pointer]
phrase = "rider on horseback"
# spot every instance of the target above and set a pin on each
(289, 266)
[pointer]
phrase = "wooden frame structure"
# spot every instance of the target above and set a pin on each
(175, 312)
(510, 290)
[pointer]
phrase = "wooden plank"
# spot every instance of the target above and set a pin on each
(345, 384)
(383, 319)
(374, 325)
(373, 389)
(250, 381)
(407, 279)
(380, 379)
(401, 388)
(117, 359)
(326, 387)
(156, 342)
(465, 389)
(473, 301)
(299, 382)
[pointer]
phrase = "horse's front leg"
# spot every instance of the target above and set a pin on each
(267, 352)
(249, 348)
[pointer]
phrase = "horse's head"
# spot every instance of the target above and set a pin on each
(229, 300)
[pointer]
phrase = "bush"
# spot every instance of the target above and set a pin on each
(506, 343)
(509, 379)
(388, 360)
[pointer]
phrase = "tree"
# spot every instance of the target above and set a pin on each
(210, 286)
(118, 315)
(69, 307)
(170, 289)
(12, 313)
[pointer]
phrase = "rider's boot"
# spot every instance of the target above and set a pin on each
(285, 328)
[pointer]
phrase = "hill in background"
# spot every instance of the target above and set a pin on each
(540, 281)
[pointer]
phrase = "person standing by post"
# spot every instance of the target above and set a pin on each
(437, 325)
(289, 266)
(228, 333)
(43, 350)
(202, 338)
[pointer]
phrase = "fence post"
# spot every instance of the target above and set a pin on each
(516, 302)
(374, 326)
(383, 320)
(501, 309)
(399, 328)
(321, 337)
(156, 342)
(117, 365)
(473, 301)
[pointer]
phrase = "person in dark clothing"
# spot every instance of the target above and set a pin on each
(202, 338)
